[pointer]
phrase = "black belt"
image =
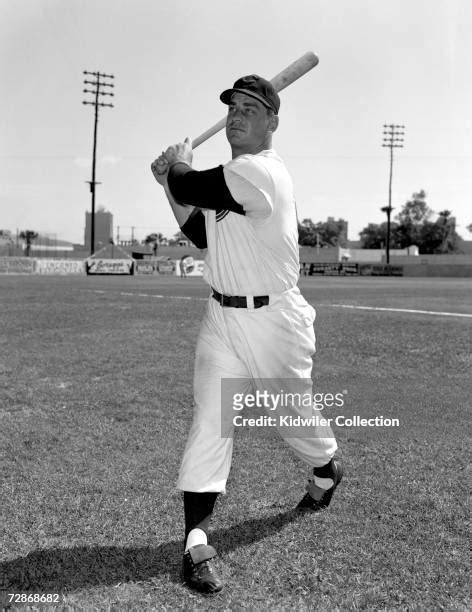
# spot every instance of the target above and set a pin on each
(239, 301)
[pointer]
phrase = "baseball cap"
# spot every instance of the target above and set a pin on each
(256, 87)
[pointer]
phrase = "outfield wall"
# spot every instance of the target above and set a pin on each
(32, 265)
(412, 270)
(435, 270)
(433, 260)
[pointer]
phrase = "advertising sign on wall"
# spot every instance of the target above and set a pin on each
(188, 266)
(145, 267)
(16, 265)
(109, 266)
(381, 270)
(59, 266)
(334, 269)
(166, 266)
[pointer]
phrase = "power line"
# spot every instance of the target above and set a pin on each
(393, 139)
(98, 84)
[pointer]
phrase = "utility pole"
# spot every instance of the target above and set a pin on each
(392, 133)
(98, 91)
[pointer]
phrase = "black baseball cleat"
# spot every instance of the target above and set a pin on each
(315, 498)
(197, 570)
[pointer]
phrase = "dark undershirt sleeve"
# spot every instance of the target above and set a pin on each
(194, 229)
(202, 188)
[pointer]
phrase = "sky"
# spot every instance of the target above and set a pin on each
(381, 61)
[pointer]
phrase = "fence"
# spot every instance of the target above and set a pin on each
(164, 266)
(350, 269)
(453, 270)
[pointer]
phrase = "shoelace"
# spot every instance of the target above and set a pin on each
(205, 565)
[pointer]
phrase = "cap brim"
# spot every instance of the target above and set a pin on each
(226, 97)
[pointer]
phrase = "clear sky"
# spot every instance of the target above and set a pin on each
(400, 61)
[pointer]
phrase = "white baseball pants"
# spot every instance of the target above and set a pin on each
(272, 342)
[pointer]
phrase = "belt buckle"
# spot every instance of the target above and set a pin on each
(222, 298)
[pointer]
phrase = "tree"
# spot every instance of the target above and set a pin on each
(29, 236)
(414, 227)
(469, 228)
(323, 233)
(332, 232)
(178, 236)
(439, 236)
(306, 233)
(414, 214)
(415, 211)
(155, 239)
(374, 236)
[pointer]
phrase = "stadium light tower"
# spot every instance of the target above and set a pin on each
(393, 139)
(98, 91)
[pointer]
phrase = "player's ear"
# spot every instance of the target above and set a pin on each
(273, 122)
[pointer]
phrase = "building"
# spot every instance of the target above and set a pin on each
(103, 228)
(49, 246)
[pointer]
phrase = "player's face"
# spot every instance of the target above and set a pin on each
(249, 125)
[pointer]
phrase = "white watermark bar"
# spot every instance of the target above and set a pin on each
(290, 405)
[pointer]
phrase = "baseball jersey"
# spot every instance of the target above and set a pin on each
(255, 253)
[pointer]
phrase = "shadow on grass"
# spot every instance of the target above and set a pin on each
(62, 569)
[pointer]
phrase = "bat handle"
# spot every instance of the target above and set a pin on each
(209, 133)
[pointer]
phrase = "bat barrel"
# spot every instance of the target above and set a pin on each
(295, 70)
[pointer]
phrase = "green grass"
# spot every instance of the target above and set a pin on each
(96, 399)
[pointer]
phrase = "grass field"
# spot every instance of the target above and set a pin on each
(96, 400)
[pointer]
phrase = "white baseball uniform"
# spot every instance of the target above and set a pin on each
(251, 254)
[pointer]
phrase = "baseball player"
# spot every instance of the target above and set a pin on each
(257, 325)
(183, 272)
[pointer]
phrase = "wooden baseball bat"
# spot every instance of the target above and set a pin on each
(282, 80)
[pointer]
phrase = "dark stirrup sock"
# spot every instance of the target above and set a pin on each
(198, 508)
